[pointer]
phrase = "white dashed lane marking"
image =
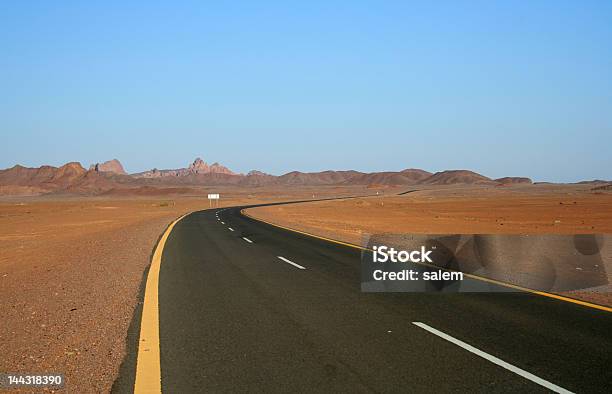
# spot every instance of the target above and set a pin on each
(291, 262)
(521, 372)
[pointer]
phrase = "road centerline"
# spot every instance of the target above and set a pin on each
(521, 372)
(248, 240)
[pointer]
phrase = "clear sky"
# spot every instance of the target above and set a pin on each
(503, 88)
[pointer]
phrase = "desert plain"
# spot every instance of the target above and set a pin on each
(520, 209)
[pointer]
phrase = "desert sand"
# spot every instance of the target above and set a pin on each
(531, 209)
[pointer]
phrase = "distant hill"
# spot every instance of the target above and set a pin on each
(315, 178)
(594, 182)
(605, 187)
(510, 180)
(70, 177)
(109, 178)
(416, 174)
(388, 178)
(257, 173)
(44, 175)
(257, 178)
(453, 177)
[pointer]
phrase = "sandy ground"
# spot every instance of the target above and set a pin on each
(525, 209)
(492, 210)
(70, 271)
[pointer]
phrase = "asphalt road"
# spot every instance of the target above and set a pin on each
(235, 317)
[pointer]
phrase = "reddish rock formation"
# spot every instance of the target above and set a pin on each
(198, 167)
(113, 166)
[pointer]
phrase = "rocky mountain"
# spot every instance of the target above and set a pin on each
(113, 166)
(198, 166)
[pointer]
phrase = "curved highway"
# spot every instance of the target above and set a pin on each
(245, 306)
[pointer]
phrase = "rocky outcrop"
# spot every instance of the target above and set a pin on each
(197, 167)
(217, 168)
(113, 166)
(257, 173)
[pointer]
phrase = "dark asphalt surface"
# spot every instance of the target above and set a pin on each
(235, 318)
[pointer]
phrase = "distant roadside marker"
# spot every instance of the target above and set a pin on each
(213, 197)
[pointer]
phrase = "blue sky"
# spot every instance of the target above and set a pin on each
(502, 88)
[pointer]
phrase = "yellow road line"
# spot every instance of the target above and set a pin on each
(148, 369)
(472, 276)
